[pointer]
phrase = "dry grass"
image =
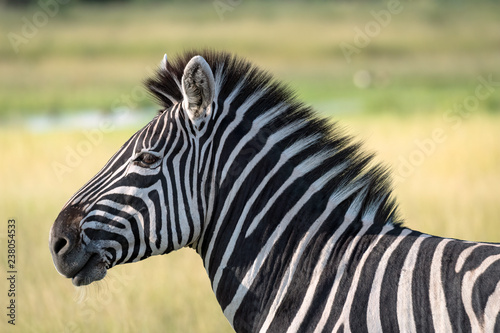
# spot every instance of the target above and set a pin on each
(453, 193)
(454, 190)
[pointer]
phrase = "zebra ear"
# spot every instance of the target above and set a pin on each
(163, 63)
(198, 88)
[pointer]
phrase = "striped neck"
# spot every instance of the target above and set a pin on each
(276, 182)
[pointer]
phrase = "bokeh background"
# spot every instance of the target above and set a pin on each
(417, 81)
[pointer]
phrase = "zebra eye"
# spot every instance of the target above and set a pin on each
(146, 159)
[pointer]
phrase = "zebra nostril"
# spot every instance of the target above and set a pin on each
(59, 245)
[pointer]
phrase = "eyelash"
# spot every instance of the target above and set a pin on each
(146, 159)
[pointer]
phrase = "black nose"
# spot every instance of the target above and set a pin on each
(64, 240)
(64, 232)
(61, 245)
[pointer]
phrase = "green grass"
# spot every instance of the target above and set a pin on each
(88, 56)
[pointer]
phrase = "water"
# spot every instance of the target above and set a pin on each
(127, 118)
(88, 119)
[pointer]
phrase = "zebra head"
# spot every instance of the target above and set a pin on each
(144, 201)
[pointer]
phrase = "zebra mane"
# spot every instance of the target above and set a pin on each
(165, 87)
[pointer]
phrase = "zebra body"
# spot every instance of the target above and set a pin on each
(296, 232)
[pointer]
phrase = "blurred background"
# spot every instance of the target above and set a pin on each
(417, 81)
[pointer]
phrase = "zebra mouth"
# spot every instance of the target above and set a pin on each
(93, 270)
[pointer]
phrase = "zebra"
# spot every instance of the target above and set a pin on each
(298, 230)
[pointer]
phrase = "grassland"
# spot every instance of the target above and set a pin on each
(424, 63)
(87, 57)
(453, 193)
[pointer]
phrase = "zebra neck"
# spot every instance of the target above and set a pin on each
(256, 235)
(270, 185)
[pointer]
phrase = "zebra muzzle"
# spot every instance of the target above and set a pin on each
(70, 256)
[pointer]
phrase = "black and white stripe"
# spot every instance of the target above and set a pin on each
(297, 233)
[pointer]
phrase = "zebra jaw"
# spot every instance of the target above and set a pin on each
(82, 269)
(93, 270)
